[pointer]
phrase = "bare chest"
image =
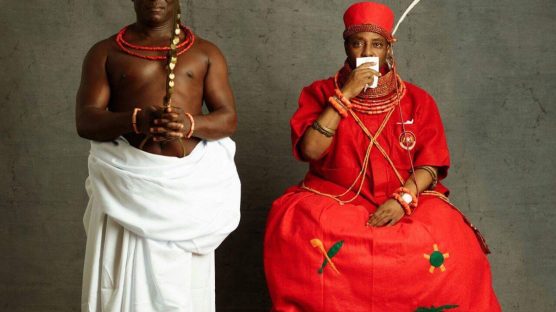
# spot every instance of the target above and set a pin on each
(131, 77)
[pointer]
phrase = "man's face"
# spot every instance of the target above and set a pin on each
(365, 44)
(153, 12)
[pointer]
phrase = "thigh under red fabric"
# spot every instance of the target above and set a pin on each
(431, 261)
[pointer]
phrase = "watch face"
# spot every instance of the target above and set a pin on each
(406, 197)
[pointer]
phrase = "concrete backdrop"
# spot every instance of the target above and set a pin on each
(491, 65)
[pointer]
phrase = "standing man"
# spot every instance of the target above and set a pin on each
(163, 187)
(369, 228)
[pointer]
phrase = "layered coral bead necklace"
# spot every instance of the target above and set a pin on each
(379, 100)
(181, 48)
(170, 55)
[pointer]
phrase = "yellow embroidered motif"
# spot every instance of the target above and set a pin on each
(317, 243)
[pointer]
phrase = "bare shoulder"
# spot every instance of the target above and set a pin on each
(209, 49)
(102, 49)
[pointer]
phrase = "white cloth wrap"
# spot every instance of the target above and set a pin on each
(153, 223)
(192, 200)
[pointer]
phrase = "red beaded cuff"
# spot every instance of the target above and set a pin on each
(402, 195)
(338, 106)
(342, 98)
(192, 122)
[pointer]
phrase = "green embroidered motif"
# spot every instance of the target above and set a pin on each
(317, 243)
(331, 253)
(439, 309)
(437, 259)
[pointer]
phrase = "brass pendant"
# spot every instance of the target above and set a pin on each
(407, 140)
(172, 61)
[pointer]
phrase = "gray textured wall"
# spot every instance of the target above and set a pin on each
(491, 65)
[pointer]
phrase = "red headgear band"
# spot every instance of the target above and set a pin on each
(369, 16)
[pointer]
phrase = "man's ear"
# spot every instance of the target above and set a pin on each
(389, 52)
(389, 57)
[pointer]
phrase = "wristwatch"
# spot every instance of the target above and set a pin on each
(407, 198)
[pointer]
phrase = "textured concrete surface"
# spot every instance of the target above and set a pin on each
(491, 65)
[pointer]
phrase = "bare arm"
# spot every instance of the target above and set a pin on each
(391, 211)
(222, 119)
(423, 179)
(93, 120)
(314, 144)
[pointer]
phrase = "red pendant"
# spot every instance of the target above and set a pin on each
(407, 140)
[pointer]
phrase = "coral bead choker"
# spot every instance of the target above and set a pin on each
(129, 48)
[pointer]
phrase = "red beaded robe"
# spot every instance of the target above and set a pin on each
(433, 260)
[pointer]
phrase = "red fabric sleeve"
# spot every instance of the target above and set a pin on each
(431, 147)
(312, 102)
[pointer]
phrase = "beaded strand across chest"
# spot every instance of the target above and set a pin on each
(175, 49)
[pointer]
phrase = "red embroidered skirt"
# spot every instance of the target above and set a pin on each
(430, 261)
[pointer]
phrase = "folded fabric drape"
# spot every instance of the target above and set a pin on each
(153, 223)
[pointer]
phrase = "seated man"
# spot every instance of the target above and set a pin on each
(369, 228)
(163, 187)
